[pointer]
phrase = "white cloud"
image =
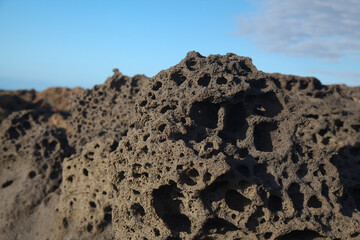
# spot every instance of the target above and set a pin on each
(327, 29)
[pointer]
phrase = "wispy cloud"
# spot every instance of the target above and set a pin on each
(327, 29)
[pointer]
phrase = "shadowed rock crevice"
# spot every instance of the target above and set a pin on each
(235, 122)
(205, 114)
(263, 138)
(166, 202)
(301, 235)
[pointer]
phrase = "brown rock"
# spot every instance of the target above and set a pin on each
(211, 148)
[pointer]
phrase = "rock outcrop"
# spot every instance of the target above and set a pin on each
(210, 148)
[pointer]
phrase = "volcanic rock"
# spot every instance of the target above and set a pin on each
(210, 148)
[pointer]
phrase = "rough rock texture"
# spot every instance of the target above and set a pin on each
(104, 110)
(30, 169)
(34, 144)
(50, 103)
(217, 150)
(211, 148)
(332, 112)
(85, 208)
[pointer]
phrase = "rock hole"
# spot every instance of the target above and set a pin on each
(339, 123)
(161, 127)
(274, 203)
(32, 174)
(296, 196)
(354, 192)
(221, 80)
(189, 176)
(7, 183)
(253, 220)
(244, 66)
(267, 104)
(267, 235)
(324, 190)
(65, 223)
(300, 235)
(322, 132)
(236, 201)
(108, 217)
(157, 86)
(262, 136)
(243, 152)
(302, 171)
(89, 227)
(117, 83)
(235, 122)
(92, 204)
(89, 156)
(52, 146)
(114, 146)
(243, 184)
(85, 172)
(156, 232)
(138, 210)
(207, 177)
(325, 141)
(190, 63)
(167, 108)
(172, 238)
(260, 83)
(205, 114)
(54, 174)
(314, 202)
(13, 133)
(356, 127)
(204, 80)
(108, 209)
(244, 170)
(311, 116)
(215, 186)
(143, 103)
(178, 77)
(146, 137)
(167, 206)
(217, 225)
(303, 85)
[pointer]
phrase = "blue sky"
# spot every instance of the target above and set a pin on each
(77, 43)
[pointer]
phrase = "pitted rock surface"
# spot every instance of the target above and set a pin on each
(85, 207)
(211, 148)
(216, 151)
(332, 112)
(51, 104)
(104, 110)
(30, 170)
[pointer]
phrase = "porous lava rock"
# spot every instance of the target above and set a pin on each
(85, 207)
(30, 170)
(211, 148)
(30, 150)
(50, 103)
(216, 151)
(332, 112)
(104, 110)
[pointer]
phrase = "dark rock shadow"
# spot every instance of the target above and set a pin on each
(347, 162)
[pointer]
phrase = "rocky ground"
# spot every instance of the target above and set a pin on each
(211, 148)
